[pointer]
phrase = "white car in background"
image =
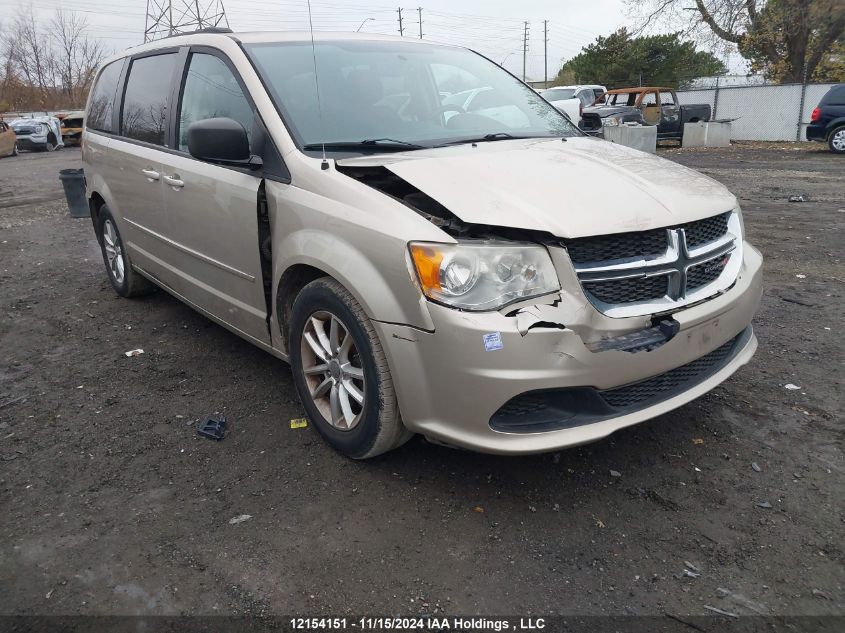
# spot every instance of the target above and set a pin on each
(571, 100)
(38, 133)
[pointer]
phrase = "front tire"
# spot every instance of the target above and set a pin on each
(124, 279)
(836, 140)
(341, 373)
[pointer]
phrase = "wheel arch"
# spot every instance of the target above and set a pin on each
(384, 295)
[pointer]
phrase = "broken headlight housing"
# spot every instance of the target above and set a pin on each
(482, 275)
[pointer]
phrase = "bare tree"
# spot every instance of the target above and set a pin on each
(75, 55)
(46, 64)
(789, 40)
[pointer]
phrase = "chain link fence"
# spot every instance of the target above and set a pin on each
(760, 112)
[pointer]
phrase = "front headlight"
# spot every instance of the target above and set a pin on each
(482, 275)
(610, 121)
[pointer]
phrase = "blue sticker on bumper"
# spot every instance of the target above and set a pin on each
(493, 341)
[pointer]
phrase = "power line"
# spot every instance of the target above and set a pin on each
(164, 20)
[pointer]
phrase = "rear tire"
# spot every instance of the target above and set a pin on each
(341, 373)
(14, 150)
(124, 279)
(51, 143)
(836, 140)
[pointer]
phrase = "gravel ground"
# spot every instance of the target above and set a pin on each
(111, 503)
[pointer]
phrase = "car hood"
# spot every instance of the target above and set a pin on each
(577, 188)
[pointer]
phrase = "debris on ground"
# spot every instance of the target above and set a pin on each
(789, 386)
(800, 302)
(697, 440)
(298, 423)
(478, 510)
(692, 567)
(720, 611)
(756, 467)
(615, 473)
(821, 594)
(801, 276)
(757, 607)
(799, 198)
(133, 352)
(213, 428)
(763, 504)
(240, 519)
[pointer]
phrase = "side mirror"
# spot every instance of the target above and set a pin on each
(223, 141)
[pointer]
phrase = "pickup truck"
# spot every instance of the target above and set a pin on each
(648, 106)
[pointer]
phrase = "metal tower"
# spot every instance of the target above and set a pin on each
(174, 17)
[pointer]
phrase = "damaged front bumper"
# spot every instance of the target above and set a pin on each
(560, 373)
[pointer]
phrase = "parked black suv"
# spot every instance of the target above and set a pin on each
(827, 123)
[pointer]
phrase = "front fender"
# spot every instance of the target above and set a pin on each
(350, 242)
(386, 292)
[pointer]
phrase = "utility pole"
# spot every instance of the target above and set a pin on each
(401, 29)
(546, 53)
(419, 10)
(524, 49)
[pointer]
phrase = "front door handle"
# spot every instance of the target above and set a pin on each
(174, 181)
(151, 174)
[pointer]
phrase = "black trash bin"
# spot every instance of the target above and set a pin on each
(73, 180)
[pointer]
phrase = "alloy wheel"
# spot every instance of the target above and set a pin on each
(333, 370)
(114, 252)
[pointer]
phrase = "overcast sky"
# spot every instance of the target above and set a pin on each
(493, 27)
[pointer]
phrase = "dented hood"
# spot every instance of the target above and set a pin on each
(575, 188)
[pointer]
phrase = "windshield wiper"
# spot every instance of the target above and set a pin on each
(495, 136)
(367, 144)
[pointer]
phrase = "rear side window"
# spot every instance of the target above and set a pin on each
(147, 98)
(102, 98)
(835, 96)
(667, 99)
(211, 90)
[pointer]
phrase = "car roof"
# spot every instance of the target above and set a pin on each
(212, 37)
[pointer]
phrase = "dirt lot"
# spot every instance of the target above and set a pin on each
(111, 503)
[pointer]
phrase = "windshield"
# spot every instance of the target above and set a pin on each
(558, 94)
(398, 94)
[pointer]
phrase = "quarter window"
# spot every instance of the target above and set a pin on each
(666, 99)
(102, 98)
(147, 97)
(211, 90)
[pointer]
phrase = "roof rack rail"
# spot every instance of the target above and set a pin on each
(209, 29)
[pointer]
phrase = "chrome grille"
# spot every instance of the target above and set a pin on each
(641, 392)
(645, 272)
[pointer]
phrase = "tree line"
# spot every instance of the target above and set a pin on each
(47, 64)
(786, 41)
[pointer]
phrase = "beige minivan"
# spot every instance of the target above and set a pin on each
(472, 269)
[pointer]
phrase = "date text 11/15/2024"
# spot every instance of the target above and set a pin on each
(431, 623)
